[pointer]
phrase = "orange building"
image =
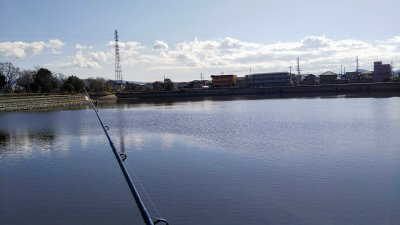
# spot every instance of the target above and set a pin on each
(224, 80)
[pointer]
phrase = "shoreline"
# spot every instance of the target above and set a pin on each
(49, 102)
(297, 91)
(40, 102)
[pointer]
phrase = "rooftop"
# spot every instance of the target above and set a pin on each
(328, 73)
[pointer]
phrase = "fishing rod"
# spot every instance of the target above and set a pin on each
(120, 156)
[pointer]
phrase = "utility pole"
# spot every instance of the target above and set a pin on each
(391, 65)
(164, 83)
(201, 76)
(357, 65)
(290, 70)
(118, 69)
(298, 66)
(341, 69)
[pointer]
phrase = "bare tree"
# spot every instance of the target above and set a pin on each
(25, 80)
(10, 73)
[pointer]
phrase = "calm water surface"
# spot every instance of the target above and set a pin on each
(263, 161)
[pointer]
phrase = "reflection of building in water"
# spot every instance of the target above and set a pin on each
(84, 138)
(136, 141)
(167, 140)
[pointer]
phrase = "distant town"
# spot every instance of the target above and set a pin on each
(42, 80)
(381, 73)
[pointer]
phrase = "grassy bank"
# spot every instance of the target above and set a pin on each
(34, 102)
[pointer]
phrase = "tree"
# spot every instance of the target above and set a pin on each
(2, 81)
(25, 80)
(73, 84)
(98, 84)
(10, 73)
(44, 81)
(168, 85)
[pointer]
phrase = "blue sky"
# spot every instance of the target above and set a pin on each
(181, 39)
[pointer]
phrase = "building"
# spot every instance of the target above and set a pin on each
(269, 79)
(309, 79)
(224, 80)
(382, 72)
(242, 82)
(297, 79)
(197, 84)
(366, 76)
(180, 85)
(353, 77)
(158, 86)
(328, 77)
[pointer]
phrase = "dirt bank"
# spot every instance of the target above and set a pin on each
(9, 103)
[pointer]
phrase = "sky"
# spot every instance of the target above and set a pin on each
(182, 39)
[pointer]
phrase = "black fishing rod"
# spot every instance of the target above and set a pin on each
(120, 156)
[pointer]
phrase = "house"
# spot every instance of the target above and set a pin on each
(224, 81)
(353, 77)
(328, 77)
(366, 76)
(309, 79)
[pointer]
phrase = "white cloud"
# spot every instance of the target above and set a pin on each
(395, 39)
(79, 61)
(82, 47)
(160, 45)
(126, 49)
(20, 50)
(317, 53)
(55, 52)
(99, 56)
(55, 43)
(229, 55)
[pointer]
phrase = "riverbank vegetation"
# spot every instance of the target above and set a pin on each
(42, 80)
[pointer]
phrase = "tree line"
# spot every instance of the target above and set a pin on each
(42, 80)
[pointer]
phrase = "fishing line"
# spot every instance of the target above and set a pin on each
(150, 200)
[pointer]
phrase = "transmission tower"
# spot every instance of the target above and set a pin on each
(298, 66)
(118, 69)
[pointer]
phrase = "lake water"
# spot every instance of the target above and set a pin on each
(230, 161)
